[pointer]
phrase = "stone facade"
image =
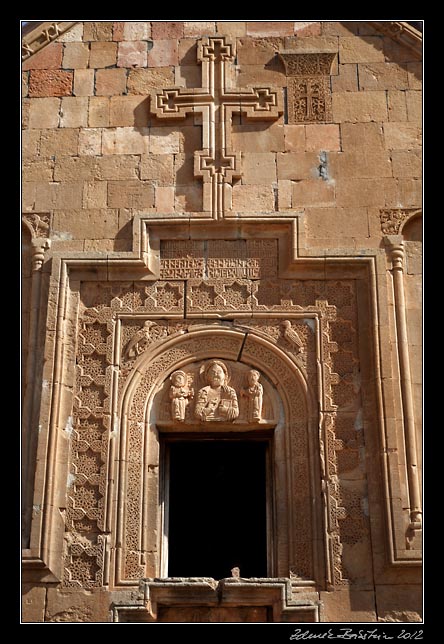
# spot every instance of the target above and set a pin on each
(222, 239)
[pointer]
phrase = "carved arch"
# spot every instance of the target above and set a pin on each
(299, 550)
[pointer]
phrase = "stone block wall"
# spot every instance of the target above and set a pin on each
(95, 156)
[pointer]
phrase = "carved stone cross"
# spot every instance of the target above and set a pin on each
(217, 163)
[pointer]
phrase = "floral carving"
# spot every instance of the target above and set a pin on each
(392, 219)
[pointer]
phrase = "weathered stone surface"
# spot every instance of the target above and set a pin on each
(130, 111)
(118, 167)
(397, 108)
(158, 168)
(49, 57)
(414, 71)
(75, 55)
(297, 165)
(233, 29)
(130, 194)
(322, 137)
(402, 136)
(164, 140)
(97, 31)
(95, 194)
(50, 83)
(125, 140)
(397, 51)
(312, 44)
(346, 28)
(348, 606)
(198, 29)
(54, 195)
(398, 603)
(367, 49)
(44, 112)
(258, 51)
(132, 54)
(407, 163)
(74, 112)
(167, 30)
(33, 603)
(359, 106)
(98, 113)
(84, 224)
(164, 199)
(346, 80)
(382, 76)
(270, 28)
(110, 82)
(259, 168)
(294, 137)
(25, 78)
(366, 192)
(145, 81)
(118, 29)
(77, 607)
(59, 142)
(410, 192)
(103, 54)
(30, 143)
(163, 53)
(258, 137)
(83, 82)
(337, 223)
(361, 164)
(253, 198)
(304, 29)
(414, 106)
(90, 142)
(367, 136)
(74, 34)
(136, 31)
(313, 192)
(38, 170)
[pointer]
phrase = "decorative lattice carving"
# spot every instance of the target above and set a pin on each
(309, 99)
(332, 303)
(218, 295)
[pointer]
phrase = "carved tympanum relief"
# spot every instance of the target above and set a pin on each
(201, 394)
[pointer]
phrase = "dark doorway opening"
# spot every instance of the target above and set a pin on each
(217, 510)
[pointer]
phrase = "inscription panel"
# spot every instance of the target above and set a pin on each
(218, 259)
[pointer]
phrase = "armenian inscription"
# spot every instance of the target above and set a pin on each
(217, 259)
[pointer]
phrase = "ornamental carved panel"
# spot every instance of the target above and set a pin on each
(142, 368)
(308, 86)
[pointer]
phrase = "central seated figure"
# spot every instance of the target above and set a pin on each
(217, 401)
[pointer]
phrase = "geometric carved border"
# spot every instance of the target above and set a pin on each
(223, 344)
(95, 384)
